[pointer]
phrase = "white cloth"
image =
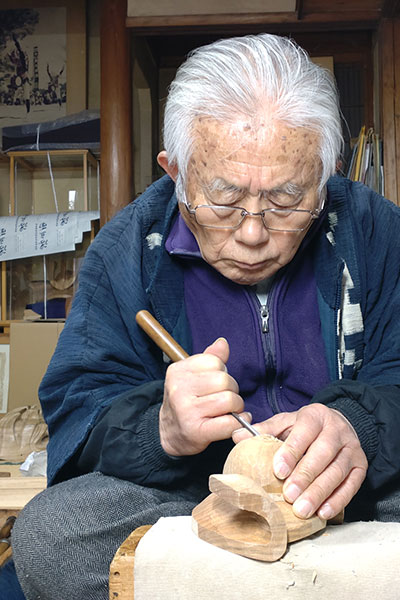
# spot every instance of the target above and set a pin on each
(342, 562)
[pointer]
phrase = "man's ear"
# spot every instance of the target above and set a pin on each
(171, 170)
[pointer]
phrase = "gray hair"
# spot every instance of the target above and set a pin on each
(236, 77)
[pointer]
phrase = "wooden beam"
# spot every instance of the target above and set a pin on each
(299, 9)
(116, 179)
(357, 19)
(390, 8)
(396, 61)
(387, 87)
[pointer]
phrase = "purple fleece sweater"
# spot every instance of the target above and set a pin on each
(279, 370)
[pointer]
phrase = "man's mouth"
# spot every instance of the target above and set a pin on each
(250, 266)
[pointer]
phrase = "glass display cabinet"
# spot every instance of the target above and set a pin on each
(42, 182)
(53, 181)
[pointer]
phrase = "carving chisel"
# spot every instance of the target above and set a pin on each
(173, 350)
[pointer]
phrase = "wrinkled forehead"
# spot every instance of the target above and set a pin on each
(263, 143)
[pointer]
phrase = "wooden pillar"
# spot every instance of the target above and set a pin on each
(116, 178)
(389, 46)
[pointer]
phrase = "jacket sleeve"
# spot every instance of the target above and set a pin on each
(371, 400)
(374, 413)
(125, 442)
(102, 356)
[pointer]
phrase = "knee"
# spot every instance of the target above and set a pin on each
(30, 544)
(30, 527)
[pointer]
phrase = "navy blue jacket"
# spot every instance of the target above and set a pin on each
(103, 357)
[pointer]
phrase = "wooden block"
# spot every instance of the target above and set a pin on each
(240, 516)
(246, 512)
(253, 457)
(13, 469)
(15, 492)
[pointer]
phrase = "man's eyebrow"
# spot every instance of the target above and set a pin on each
(219, 184)
(289, 188)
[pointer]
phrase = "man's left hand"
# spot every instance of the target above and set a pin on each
(321, 460)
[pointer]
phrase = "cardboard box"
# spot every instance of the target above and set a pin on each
(31, 348)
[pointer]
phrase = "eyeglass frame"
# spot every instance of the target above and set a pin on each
(314, 214)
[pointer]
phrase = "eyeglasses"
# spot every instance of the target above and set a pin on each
(275, 219)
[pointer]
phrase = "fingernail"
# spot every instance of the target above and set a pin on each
(281, 469)
(250, 415)
(302, 508)
(242, 432)
(291, 492)
(237, 430)
(326, 512)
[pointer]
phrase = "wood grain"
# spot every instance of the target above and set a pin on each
(246, 512)
(160, 336)
(15, 492)
(254, 459)
(116, 174)
(387, 88)
(239, 516)
(121, 580)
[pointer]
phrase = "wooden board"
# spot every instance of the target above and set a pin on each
(121, 581)
(15, 492)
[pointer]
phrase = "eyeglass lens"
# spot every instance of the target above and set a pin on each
(231, 217)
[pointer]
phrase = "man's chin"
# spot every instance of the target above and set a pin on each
(249, 276)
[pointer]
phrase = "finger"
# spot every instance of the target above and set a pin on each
(279, 425)
(310, 502)
(342, 495)
(199, 368)
(307, 427)
(219, 428)
(319, 456)
(199, 363)
(209, 382)
(326, 484)
(221, 403)
(219, 348)
(241, 433)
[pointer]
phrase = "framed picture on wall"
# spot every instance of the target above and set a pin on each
(42, 60)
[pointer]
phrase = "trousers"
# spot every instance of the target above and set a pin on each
(64, 539)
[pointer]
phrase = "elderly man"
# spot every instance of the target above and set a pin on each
(282, 283)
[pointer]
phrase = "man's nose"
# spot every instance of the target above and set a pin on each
(252, 231)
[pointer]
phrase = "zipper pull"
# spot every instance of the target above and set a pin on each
(264, 318)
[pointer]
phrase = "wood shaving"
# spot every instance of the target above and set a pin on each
(314, 577)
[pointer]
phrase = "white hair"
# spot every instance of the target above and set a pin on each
(243, 76)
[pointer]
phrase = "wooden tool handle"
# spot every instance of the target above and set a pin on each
(160, 336)
(172, 349)
(6, 528)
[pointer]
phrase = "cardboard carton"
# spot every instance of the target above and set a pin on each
(31, 348)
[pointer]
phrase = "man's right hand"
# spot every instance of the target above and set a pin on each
(199, 394)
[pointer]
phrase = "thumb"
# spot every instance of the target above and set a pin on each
(219, 348)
